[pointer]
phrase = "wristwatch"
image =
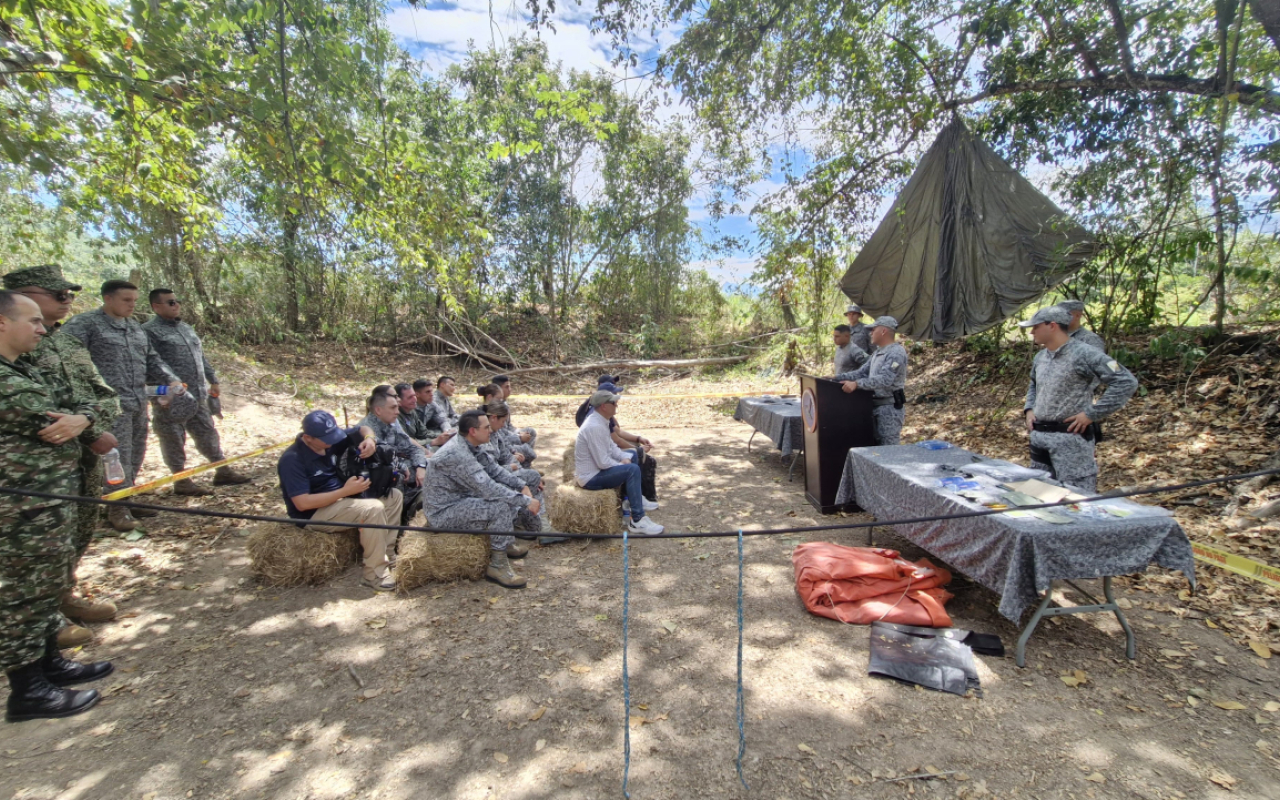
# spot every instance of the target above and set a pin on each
(89, 415)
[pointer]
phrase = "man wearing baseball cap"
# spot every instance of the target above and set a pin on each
(1060, 409)
(314, 491)
(885, 376)
(859, 334)
(63, 355)
(600, 464)
(1078, 332)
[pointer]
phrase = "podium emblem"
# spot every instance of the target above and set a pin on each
(809, 410)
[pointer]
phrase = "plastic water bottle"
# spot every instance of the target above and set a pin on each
(115, 470)
(160, 393)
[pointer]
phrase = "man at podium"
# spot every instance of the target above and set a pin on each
(885, 377)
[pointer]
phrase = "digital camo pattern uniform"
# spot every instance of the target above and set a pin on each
(445, 406)
(1061, 387)
(408, 456)
(525, 520)
(861, 336)
(123, 354)
(459, 495)
(431, 419)
(178, 345)
(413, 425)
(525, 449)
(884, 372)
(849, 357)
(1086, 336)
(62, 357)
(37, 536)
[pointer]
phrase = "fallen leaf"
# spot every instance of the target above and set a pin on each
(601, 617)
(1172, 653)
(804, 748)
(1223, 779)
(493, 599)
(1271, 706)
(369, 694)
(1191, 701)
(1260, 648)
(540, 744)
(661, 716)
(1229, 705)
(636, 720)
(537, 715)
(581, 669)
(670, 626)
(501, 758)
(1210, 623)
(377, 623)
(1097, 777)
(579, 768)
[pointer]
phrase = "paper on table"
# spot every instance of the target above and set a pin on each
(1044, 492)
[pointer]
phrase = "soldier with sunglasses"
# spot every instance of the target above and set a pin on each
(179, 345)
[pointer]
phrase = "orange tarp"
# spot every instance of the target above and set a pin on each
(860, 585)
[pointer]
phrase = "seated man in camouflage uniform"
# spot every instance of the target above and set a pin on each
(430, 416)
(415, 424)
(527, 436)
(445, 387)
(885, 376)
(459, 495)
(410, 459)
(40, 429)
(1060, 409)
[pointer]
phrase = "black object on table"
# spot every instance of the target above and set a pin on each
(834, 421)
(1018, 558)
(777, 418)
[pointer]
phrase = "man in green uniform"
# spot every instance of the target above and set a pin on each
(39, 450)
(62, 357)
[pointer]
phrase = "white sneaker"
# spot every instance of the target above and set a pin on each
(645, 527)
(649, 505)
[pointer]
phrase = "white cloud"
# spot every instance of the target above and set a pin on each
(729, 270)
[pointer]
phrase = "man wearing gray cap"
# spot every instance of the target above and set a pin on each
(859, 334)
(1060, 409)
(600, 464)
(1078, 332)
(885, 376)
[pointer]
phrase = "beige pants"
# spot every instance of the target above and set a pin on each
(375, 541)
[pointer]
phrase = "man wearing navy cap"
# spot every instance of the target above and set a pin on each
(315, 492)
(885, 376)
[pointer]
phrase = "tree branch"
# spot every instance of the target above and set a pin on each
(1247, 94)
(1122, 37)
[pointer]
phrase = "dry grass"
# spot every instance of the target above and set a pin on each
(568, 467)
(427, 557)
(575, 510)
(286, 555)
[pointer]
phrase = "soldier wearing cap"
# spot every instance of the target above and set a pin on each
(527, 436)
(123, 354)
(1078, 332)
(180, 347)
(885, 376)
(64, 357)
(41, 424)
(1060, 408)
(859, 334)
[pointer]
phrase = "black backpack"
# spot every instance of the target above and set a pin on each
(379, 468)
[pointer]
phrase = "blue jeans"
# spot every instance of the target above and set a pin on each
(627, 475)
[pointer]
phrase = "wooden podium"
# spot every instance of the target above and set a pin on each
(834, 421)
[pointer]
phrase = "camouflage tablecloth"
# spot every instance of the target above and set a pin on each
(777, 418)
(1018, 558)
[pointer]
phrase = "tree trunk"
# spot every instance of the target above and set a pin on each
(1267, 12)
(290, 266)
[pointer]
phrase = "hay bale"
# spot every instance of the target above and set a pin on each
(568, 467)
(286, 555)
(426, 557)
(575, 510)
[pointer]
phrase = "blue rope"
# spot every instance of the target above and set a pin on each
(742, 703)
(626, 681)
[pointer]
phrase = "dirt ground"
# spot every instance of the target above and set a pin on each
(228, 689)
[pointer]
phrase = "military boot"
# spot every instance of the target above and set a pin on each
(31, 696)
(120, 519)
(190, 488)
(500, 571)
(144, 512)
(74, 635)
(85, 610)
(226, 476)
(517, 550)
(63, 672)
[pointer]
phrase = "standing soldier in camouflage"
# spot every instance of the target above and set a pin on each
(885, 376)
(1060, 409)
(40, 428)
(62, 357)
(460, 496)
(178, 345)
(859, 333)
(849, 356)
(1078, 332)
(123, 354)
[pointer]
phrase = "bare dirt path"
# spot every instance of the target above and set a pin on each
(226, 689)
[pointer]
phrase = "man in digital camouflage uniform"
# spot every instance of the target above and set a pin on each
(459, 495)
(885, 376)
(40, 428)
(445, 388)
(63, 357)
(179, 346)
(122, 352)
(848, 355)
(527, 437)
(410, 459)
(1060, 408)
(1077, 330)
(859, 333)
(424, 425)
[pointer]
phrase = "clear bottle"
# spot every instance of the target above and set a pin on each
(162, 393)
(115, 470)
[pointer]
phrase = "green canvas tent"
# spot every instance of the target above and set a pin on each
(967, 244)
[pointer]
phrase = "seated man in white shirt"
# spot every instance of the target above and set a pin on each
(600, 464)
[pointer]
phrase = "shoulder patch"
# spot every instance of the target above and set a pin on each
(1114, 366)
(893, 364)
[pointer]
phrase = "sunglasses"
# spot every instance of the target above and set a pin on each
(62, 297)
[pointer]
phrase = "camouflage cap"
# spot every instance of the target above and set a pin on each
(46, 276)
(1056, 314)
(885, 322)
(1072, 306)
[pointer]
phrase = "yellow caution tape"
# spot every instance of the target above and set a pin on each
(579, 397)
(1237, 564)
(187, 473)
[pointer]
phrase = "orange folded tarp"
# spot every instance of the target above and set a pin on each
(860, 585)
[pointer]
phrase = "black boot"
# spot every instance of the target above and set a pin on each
(31, 696)
(62, 672)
